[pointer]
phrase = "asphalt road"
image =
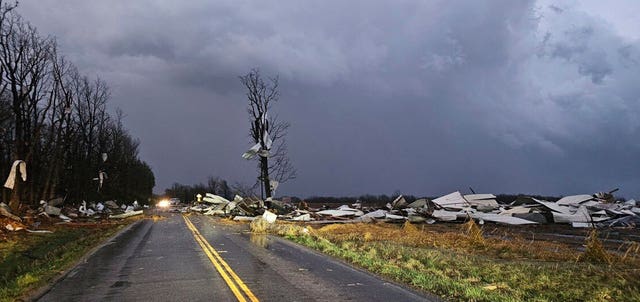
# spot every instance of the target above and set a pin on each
(198, 259)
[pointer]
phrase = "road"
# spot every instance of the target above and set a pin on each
(197, 258)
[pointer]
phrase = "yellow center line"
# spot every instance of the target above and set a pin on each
(221, 265)
(237, 279)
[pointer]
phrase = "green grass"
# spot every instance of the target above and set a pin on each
(463, 267)
(28, 261)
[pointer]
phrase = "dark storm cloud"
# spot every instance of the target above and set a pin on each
(422, 97)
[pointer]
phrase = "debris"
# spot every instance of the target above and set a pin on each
(86, 211)
(303, 217)
(625, 222)
(399, 203)
(38, 231)
(451, 201)
(535, 217)
(17, 165)
(53, 211)
(394, 217)
(244, 218)
(101, 177)
(5, 210)
(554, 207)
(501, 219)
(516, 210)
(482, 202)
(274, 185)
(576, 210)
(341, 212)
(128, 214)
(252, 152)
(444, 215)
(581, 215)
(420, 203)
(12, 228)
(378, 214)
(269, 217)
(111, 204)
(215, 199)
(574, 200)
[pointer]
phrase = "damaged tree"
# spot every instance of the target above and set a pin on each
(267, 133)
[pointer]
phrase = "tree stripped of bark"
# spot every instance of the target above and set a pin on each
(267, 133)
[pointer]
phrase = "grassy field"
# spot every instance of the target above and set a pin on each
(464, 265)
(29, 261)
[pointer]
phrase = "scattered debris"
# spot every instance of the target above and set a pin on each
(5, 211)
(452, 201)
(596, 210)
(127, 214)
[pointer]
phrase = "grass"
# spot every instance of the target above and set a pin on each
(29, 261)
(464, 265)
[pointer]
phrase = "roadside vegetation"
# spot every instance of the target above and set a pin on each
(29, 261)
(463, 264)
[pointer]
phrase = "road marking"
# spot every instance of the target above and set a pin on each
(221, 266)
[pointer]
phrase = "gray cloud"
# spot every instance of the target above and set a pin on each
(424, 97)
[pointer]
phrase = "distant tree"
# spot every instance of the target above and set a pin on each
(267, 132)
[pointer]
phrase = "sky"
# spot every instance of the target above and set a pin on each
(421, 97)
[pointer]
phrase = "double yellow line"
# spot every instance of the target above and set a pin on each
(239, 289)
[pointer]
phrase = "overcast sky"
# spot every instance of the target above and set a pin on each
(424, 97)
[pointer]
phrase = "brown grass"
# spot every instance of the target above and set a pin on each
(595, 251)
(474, 233)
(282, 228)
(467, 238)
(462, 263)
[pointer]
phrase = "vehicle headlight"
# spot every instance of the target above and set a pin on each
(163, 203)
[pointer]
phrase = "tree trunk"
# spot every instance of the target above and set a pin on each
(264, 165)
(16, 193)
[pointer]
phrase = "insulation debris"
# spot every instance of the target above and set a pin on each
(18, 165)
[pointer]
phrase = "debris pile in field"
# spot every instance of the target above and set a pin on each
(597, 210)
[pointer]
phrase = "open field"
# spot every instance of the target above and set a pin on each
(29, 261)
(462, 262)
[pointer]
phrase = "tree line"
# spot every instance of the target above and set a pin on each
(214, 185)
(57, 121)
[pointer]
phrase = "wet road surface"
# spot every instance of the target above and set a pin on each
(197, 259)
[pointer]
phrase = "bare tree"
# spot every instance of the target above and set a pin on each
(267, 132)
(25, 60)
